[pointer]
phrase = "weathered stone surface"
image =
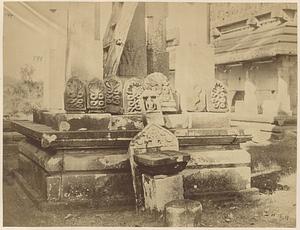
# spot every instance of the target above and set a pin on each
(53, 187)
(208, 120)
(74, 122)
(133, 90)
(183, 213)
(159, 190)
(197, 181)
(113, 95)
(75, 95)
(176, 121)
(218, 158)
(96, 186)
(96, 161)
(38, 117)
(199, 100)
(127, 122)
(95, 96)
(34, 175)
(46, 160)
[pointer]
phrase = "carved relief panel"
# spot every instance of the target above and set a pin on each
(113, 95)
(75, 95)
(159, 83)
(133, 90)
(198, 102)
(96, 96)
(217, 99)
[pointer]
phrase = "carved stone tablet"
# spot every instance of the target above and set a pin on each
(75, 95)
(152, 137)
(96, 96)
(198, 103)
(217, 100)
(159, 83)
(133, 90)
(113, 95)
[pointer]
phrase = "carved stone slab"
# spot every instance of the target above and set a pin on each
(198, 104)
(152, 137)
(95, 96)
(133, 90)
(113, 95)
(75, 95)
(217, 100)
(159, 83)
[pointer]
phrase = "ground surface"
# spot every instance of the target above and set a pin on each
(276, 207)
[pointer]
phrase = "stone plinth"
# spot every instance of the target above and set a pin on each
(159, 190)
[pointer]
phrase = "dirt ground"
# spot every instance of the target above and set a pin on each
(275, 208)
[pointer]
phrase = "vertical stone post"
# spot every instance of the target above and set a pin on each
(250, 101)
(194, 55)
(157, 55)
(283, 96)
(84, 42)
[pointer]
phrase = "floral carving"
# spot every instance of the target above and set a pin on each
(218, 101)
(96, 96)
(75, 95)
(113, 96)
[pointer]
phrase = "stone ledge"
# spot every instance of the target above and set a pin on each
(49, 163)
(218, 158)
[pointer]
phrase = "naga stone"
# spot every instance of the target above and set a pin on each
(75, 95)
(217, 99)
(113, 95)
(96, 96)
(160, 84)
(199, 100)
(133, 90)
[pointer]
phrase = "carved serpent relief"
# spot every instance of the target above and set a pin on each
(96, 96)
(75, 95)
(132, 95)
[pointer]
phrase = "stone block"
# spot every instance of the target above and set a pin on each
(155, 118)
(198, 120)
(37, 115)
(33, 174)
(200, 181)
(96, 161)
(183, 213)
(176, 121)
(218, 158)
(127, 122)
(46, 160)
(74, 122)
(98, 187)
(159, 190)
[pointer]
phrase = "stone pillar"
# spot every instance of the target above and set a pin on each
(84, 45)
(54, 82)
(194, 56)
(157, 55)
(250, 101)
(283, 96)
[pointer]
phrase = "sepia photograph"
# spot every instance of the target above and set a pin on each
(149, 114)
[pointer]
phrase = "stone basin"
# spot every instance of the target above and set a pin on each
(162, 162)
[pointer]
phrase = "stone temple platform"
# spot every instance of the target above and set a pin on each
(82, 159)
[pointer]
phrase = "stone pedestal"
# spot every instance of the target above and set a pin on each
(161, 189)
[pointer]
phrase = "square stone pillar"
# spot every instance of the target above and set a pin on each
(194, 56)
